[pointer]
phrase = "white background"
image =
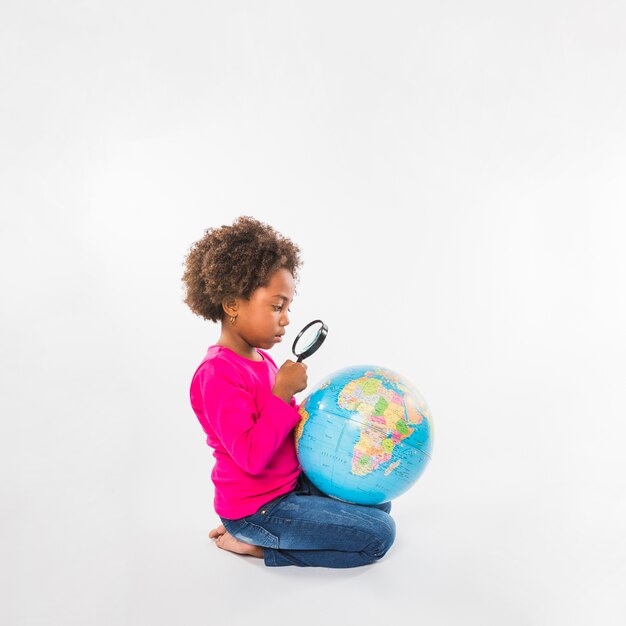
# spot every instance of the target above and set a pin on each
(454, 175)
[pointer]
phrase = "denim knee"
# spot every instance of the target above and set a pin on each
(383, 538)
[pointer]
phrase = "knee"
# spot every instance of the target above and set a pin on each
(384, 537)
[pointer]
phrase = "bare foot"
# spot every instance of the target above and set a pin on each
(224, 540)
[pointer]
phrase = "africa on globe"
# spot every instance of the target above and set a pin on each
(365, 435)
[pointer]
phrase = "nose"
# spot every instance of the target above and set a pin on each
(285, 319)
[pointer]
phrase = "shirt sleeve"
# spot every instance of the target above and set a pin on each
(251, 436)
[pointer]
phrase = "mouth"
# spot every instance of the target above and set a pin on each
(279, 336)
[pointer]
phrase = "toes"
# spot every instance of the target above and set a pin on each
(216, 532)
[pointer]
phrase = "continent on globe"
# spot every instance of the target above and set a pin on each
(385, 422)
(300, 426)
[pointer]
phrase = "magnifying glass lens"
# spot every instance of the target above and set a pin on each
(308, 338)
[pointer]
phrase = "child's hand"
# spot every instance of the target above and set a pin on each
(290, 378)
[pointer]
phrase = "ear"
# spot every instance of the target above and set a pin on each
(230, 306)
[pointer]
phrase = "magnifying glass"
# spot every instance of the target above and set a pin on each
(310, 338)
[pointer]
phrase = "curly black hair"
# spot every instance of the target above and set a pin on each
(232, 262)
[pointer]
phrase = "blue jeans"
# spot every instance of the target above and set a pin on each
(307, 528)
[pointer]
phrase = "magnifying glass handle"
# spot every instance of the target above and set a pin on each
(299, 359)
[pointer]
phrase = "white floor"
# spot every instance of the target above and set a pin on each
(102, 553)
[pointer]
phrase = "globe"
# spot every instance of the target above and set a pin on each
(365, 435)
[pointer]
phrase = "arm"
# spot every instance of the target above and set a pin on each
(250, 436)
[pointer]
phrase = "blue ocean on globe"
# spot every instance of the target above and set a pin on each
(365, 436)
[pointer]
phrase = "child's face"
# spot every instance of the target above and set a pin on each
(264, 316)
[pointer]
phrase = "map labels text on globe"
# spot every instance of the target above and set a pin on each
(365, 436)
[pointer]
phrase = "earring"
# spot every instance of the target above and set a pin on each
(232, 319)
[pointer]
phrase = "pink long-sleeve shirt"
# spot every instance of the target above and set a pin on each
(249, 429)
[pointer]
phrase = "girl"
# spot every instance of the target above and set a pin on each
(243, 276)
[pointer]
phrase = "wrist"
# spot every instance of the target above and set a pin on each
(282, 394)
